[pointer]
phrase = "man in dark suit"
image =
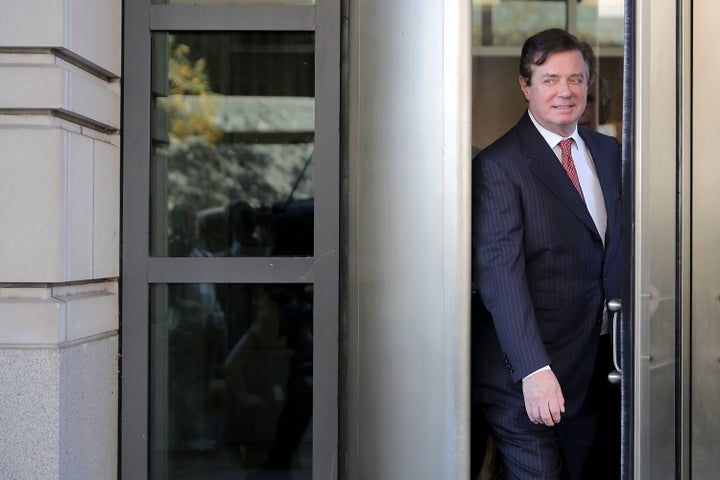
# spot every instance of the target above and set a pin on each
(546, 259)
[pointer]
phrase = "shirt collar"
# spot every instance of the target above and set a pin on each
(552, 138)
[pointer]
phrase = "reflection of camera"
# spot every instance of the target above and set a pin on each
(278, 229)
(290, 227)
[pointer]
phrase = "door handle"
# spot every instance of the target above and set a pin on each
(614, 307)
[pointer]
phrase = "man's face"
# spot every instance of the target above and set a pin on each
(558, 91)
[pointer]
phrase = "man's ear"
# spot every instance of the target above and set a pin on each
(524, 87)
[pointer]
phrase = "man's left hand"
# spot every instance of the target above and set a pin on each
(544, 401)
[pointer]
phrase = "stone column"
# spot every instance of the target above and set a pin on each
(59, 246)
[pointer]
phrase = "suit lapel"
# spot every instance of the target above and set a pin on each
(547, 168)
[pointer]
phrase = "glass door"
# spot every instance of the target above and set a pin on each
(499, 29)
(230, 240)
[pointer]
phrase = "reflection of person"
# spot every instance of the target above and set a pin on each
(605, 125)
(287, 311)
(597, 109)
(546, 260)
(296, 414)
(196, 329)
(242, 224)
(596, 114)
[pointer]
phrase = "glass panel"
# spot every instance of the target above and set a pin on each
(499, 28)
(600, 22)
(231, 381)
(233, 2)
(495, 60)
(510, 22)
(233, 118)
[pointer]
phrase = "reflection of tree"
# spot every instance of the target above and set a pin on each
(189, 119)
(204, 169)
(209, 176)
(204, 173)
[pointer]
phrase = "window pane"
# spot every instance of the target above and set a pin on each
(600, 22)
(499, 29)
(231, 381)
(510, 22)
(233, 142)
(233, 2)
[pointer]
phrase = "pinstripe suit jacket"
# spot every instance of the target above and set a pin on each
(539, 264)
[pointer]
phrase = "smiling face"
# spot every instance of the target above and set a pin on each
(557, 92)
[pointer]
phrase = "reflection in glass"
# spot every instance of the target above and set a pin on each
(600, 22)
(501, 23)
(233, 140)
(231, 381)
(499, 29)
(233, 2)
(509, 23)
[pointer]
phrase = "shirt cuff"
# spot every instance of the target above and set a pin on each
(546, 367)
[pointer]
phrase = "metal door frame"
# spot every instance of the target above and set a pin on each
(139, 270)
(649, 74)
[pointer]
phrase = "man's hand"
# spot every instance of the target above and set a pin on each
(544, 401)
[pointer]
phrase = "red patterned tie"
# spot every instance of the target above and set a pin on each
(569, 165)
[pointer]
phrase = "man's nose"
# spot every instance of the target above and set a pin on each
(564, 89)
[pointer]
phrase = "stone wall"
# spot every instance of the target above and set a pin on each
(59, 248)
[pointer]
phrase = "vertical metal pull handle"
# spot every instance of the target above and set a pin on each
(614, 307)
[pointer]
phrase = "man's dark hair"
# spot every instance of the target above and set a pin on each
(540, 46)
